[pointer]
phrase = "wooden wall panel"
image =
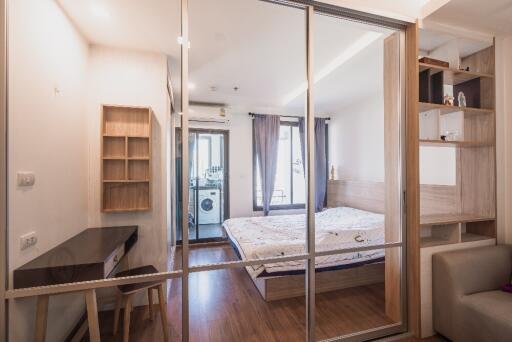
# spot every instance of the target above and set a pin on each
(440, 199)
(412, 179)
(481, 61)
(356, 194)
(392, 177)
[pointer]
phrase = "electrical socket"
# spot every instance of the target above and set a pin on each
(28, 240)
(26, 178)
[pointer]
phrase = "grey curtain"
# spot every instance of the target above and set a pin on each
(266, 139)
(320, 159)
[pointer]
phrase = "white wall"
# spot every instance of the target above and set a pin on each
(356, 147)
(46, 136)
(56, 85)
(356, 140)
(131, 78)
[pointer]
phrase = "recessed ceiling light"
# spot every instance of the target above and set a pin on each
(191, 85)
(99, 11)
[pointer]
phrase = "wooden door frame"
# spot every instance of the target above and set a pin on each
(3, 169)
(412, 198)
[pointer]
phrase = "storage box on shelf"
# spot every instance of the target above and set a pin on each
(126, 158)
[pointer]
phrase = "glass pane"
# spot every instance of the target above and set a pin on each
(92, 148)
(298, 184)
(355, 297)
(241, 78)
(357, 173)
(222, 101)
(283, 186)
(228, 306)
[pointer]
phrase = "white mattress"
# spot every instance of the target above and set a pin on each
(272, 236)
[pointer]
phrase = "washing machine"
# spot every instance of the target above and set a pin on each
(209, 206)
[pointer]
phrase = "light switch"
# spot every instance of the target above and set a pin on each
(26, 178)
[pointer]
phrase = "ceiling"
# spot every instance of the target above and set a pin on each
(490, 16)
(431, 40)
(248, 54)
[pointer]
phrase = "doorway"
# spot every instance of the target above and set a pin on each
(208, 186)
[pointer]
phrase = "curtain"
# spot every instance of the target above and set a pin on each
(266, 139)
(320, 159)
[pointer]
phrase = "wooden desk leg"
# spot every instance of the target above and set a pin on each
(41, 318)
(119, 298)
(92, 315)
(127, 312)
(150, 303)
(163, 311)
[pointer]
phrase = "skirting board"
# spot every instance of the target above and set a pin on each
(283, 287)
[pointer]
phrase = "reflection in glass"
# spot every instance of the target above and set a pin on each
(356, 85)
(357, 300)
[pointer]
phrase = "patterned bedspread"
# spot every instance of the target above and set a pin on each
(271, 236)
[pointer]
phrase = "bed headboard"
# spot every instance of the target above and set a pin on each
(370, 196)
(356, 194)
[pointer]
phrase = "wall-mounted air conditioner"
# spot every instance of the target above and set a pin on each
(209, 119)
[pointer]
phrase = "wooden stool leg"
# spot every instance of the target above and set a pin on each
(150, 303)
(92, 315)
(119, 298)
(127, 313)
(163, 311)
(41, 318)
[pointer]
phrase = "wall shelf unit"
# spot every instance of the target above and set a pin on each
(126, 158)
(437, 219)
(454, 76)
(440, 143)
(459, 213)
(445, 109)
(474, 194)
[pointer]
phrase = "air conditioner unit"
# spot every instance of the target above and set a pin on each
(209, 119)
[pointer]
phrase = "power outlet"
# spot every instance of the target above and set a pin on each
(28, 240)
(26, 178)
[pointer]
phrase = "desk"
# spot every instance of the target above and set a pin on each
(93, 254)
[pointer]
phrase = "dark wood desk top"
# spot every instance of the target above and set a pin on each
(79, 258)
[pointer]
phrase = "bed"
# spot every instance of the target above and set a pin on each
(282, 235)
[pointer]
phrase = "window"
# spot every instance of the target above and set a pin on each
(290, 186)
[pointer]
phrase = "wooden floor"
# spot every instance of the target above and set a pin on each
(225, 306)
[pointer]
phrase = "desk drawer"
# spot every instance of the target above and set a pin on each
(113, 260)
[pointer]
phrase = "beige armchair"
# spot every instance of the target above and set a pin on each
(468, 303)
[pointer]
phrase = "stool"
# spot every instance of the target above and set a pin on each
(128, 291)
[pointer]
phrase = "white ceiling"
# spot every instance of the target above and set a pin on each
(253, 45)
(490, 16)
(431, 40)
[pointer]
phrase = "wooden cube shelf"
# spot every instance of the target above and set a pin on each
(126, 158)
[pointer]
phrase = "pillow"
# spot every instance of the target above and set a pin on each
(507, 288)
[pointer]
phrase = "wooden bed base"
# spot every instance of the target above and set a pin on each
(283, 287)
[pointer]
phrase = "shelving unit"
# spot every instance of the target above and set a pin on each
(125, 158)
(462, 215)
(476, 188)
(454, 76)
(439, 143)
(445, 109)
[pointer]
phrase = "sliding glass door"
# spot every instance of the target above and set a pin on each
(286, 137)
(208, 186)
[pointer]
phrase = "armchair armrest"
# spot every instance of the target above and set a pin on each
(464, 272)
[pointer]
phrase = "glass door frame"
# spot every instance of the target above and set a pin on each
(310, 8)
(225, 190)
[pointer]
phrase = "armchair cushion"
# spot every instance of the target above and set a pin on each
(490, 312)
